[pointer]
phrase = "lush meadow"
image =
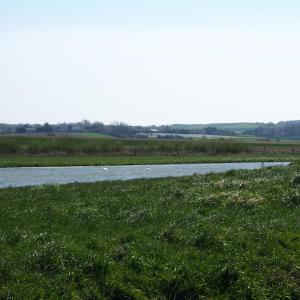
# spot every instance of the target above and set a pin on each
(220, 236)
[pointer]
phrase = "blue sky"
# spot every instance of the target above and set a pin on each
(149, 62)
(17, 13)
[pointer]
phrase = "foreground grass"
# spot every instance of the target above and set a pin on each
(51, 161)
(220, 236)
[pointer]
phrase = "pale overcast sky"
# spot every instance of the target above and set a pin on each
(149, 62)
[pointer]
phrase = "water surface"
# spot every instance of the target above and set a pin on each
(18, 177)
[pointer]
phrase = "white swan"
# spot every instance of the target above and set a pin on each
(148, 169)
(105, 169)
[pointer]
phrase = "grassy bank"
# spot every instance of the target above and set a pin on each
(219, 236)
(50, 161)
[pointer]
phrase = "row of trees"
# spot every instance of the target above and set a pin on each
(46, 128)
(119, 129)
(289, 129)
(207, 130)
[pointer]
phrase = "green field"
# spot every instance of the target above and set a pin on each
(52, 161)
(88, 135)
(220, 236)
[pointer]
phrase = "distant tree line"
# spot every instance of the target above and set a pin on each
(207, 130)
(116, 129)
(119, 129)
(290, 129)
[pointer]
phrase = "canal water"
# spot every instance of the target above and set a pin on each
(18, 177)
